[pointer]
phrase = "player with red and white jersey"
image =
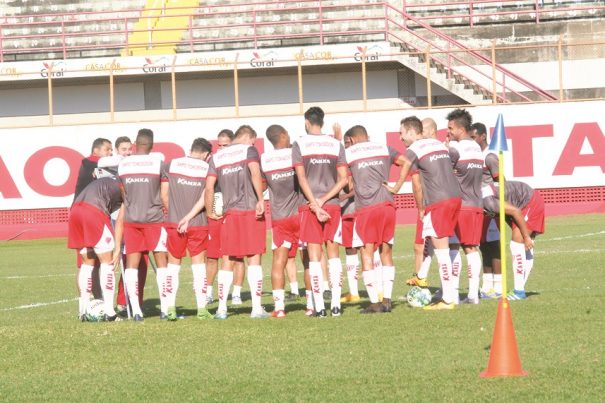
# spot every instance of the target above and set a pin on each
(320, 165)
(236, 169)
(374, 226)
(183, 184)
(90, 232)
(524, 209)
(286, 198)
(467, 162)
(490, 237)
(428, 161)
(139, 176)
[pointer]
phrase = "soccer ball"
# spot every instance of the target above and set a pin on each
(419, 297)
(218, 203)
(95, 311)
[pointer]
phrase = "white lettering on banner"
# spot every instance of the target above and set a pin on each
(550, 146)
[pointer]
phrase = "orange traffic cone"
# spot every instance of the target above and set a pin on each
(504, 357)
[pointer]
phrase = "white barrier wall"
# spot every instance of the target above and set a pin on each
(550, 146)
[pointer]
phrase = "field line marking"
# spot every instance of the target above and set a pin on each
(46, 276)
(39, 304)
(561, 238)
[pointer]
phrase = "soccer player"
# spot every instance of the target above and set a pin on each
(524, 209)
(320, 165)
(286, 198)
(183, 184)
(91, 233)
(224, 139)
(237, 171)
(374, 226)
(139, 176)
(467, 162)
(423, 248)
(429, 159)
(490, 237)
(347, 206)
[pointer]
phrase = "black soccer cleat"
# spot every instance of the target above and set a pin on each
(138, 318)
(321, 314)
(387, 305)
(336, 311)
(114, 318)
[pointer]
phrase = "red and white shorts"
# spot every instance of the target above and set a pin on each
(313, 231)
(214, 238)
(419, 240)
(346, 231)
(286, 234)
(195, 240)
(534, 213)
(440, 218)
(469, 226)
(243, 234)
(89, 228)
(139, 237)
(375, 224)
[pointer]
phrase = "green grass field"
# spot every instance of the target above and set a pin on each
(408, 355)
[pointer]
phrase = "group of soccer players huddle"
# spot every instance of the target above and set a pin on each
(323, 195)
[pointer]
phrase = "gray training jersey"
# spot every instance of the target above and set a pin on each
(284, 192)
(139, 176)
(370, 163)
(230, 167)
(186, 178)
(431, 159)
(103, 194)
(320, 155)
(516, 193)
(467, 161)
(491, 168)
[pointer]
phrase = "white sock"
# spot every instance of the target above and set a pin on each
(172, 283)
(85, 286)
(388, 278)
(474, 269)
(107, 287)
(445, 273)
(199, 284)
(160, 277)
(255, 281)
(517, 251)
(278, 299)
(335, 270)
(237, 291)
(488, 282)
(369, 280)
(498, 283)
(294, 287)
(352, 262)
(425, 266)
(131, 279)
(316, 275)
(326, 283)
(378, 269)
(529, 264)
(209, 289)
(456, 265)
(309, 296)
(225, 278)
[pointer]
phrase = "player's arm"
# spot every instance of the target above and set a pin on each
(303, 183)
(517, 216)
(405, 165)
(119, 234)
(257, 184)
(418, 196)
(197, 207)
(164, 195)
(337, 130)
(348, 191)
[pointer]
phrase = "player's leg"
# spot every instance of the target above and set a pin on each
(388, 274)
(211, 272)
(442, 253)
(107, 280)
(200, 284)
(131, 279)
(292, 278)
(255, 281)
(473, 259)
(225, 279)
(316, 276)
(335, 273)
(278, 282)
(352, 263)
(456, 265)
(519, 262)
(87, 257)
(238, 281)
(304, 257)
(370, 279)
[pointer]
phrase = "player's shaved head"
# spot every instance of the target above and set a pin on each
(315, 116)
(226, 133)
(357, 133)
(461, 117)
(274, 133)
(201, 145)
(429, 128)
(245, 130)
(144, 141)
